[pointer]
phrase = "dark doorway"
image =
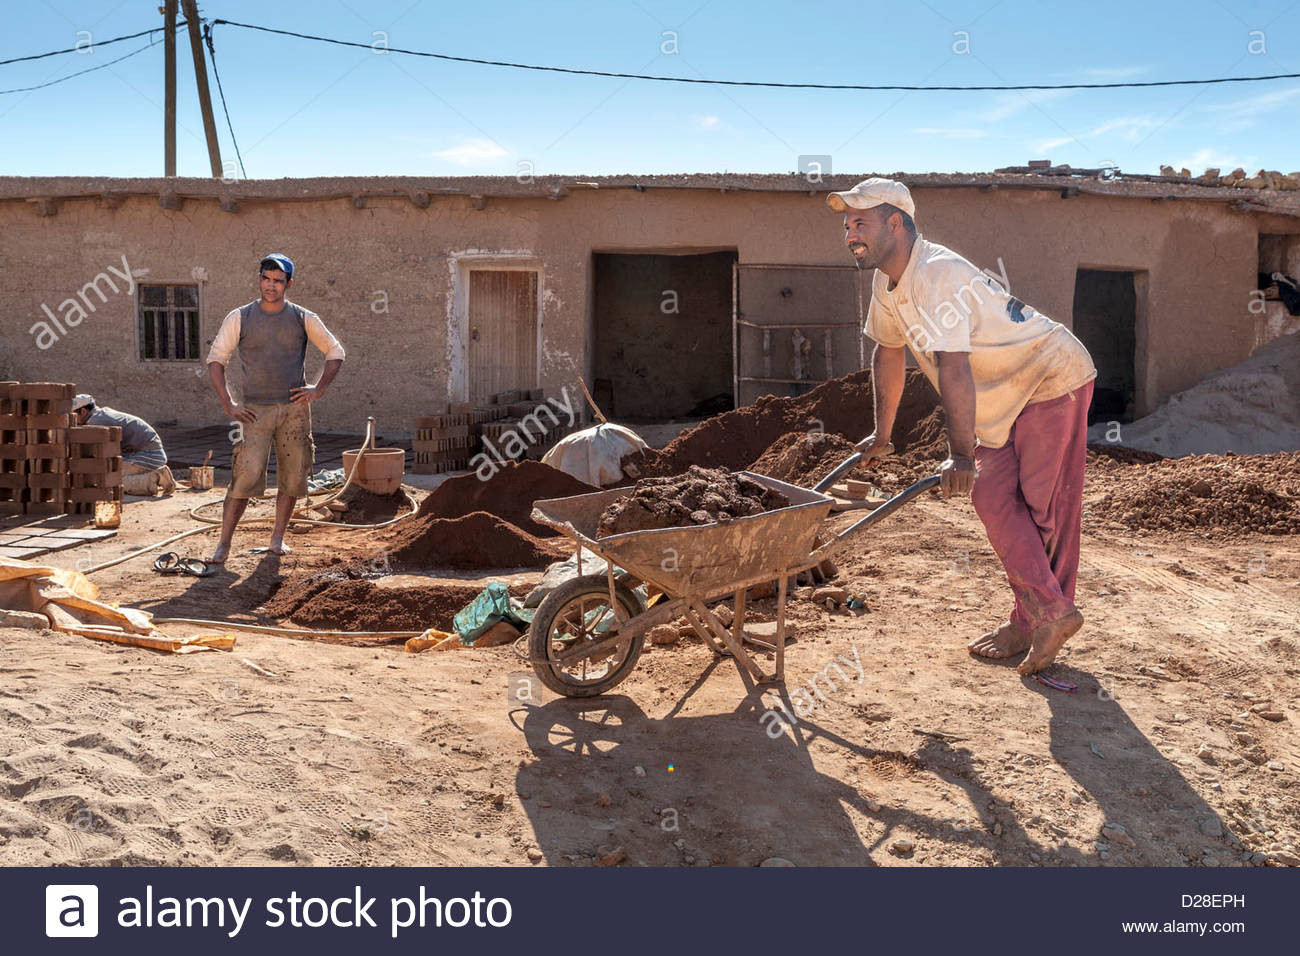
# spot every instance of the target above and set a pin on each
(663, 335)
(1105, 321)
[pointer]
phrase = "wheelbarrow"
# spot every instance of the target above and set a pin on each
(588, 633)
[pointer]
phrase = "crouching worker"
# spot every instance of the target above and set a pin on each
(271, 334)
(144, 463)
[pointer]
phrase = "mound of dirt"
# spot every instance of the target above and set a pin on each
(1229, 495)
(347, 599)
(509, 494)
(366, 507)
(842, 406)
(802, 458)
(701, 496)
(475, 540)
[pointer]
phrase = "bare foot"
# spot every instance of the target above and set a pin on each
(1007, 641)
(279, 547)
(1047, 640)
(219, 554)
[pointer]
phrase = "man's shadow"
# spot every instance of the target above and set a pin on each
(223, 594)
(1132, 783)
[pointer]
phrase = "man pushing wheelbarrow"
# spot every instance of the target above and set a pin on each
(1015, 388)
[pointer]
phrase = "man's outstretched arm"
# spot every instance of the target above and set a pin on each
(888, 367)
(957, 393)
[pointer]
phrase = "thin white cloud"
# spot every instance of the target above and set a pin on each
(1207, 157)
(950, 132)
(1132, 127)
(472, 152)
(1047, 144)
(706, 122)
(1006, 105)
(1259, 103)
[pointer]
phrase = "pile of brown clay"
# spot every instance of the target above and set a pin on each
(346, 599)
(802, 458)
(475, 540)
(366, 507)
(508, 494)
(1225, 494)
(701, 496)
(842, 406)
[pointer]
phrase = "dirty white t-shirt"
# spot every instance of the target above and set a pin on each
(1018, 356)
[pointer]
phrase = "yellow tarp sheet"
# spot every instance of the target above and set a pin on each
(71, 602)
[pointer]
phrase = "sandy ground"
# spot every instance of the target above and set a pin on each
(1182, 732)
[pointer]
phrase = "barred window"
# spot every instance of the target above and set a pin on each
(169, 322)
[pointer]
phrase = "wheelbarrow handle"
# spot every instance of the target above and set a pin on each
(840, 469)
(878, 515)
(853, 459)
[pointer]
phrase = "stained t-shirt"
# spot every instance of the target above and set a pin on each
(1018, 356)
(140, 443)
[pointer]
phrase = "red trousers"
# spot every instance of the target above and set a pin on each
(1029, 494)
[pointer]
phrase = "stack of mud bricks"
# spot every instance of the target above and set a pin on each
(35, 419)
(94, 467)
(517, 412)
(444, 442)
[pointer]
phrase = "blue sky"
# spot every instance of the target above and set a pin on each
(307, 109)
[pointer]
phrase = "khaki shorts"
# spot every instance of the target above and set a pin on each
(142, 481)
(288, 428)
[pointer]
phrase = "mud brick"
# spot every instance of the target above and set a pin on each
(6, 401)
(48, 436)
(79, 507)
(94, 466)
(94, 434)
(506, 398)
(460, 408)
(10, 507)
(13, 466)
(47, 466)
(44, 391)
(46, 494)
(521, 409)
(48, 421)
(44, 406)
(106, 480)
(44, 507)
(13, 482)
(47, 481)
(46, 451)
(11, 451)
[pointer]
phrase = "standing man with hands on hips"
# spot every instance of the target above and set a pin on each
(271, 335)
(1015, 388)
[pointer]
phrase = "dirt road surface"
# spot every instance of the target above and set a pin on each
(1179, 747)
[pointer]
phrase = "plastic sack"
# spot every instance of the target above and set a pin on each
(493, 604)
(594, 454)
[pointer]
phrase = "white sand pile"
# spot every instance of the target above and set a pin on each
(1252, 408)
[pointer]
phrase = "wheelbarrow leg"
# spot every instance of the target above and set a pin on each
(738, 617)
(737, 650)
(780, 627)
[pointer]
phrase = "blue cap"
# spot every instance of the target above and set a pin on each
(282, 262)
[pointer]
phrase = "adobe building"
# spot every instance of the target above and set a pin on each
(670, 295)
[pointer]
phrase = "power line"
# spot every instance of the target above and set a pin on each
(794, 86)
(72, 76)
(82, 49)
(212, 54)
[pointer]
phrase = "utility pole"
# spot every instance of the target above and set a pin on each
(201, 81)
(169, 79)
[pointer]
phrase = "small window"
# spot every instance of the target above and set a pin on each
(169, 322)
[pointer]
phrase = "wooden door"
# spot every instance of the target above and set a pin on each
(502, 332)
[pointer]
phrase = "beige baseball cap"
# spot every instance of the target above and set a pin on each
(871, 193)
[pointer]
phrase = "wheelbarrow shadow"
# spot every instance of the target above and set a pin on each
(715, 789)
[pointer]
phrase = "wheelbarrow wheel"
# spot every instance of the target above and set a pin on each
(575, 612)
